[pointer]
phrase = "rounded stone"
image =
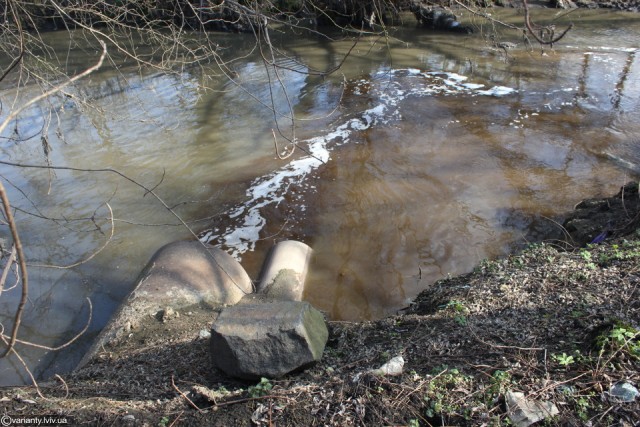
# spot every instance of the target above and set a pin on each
(189, 272)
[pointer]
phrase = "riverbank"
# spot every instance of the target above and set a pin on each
(234, 17)
(557, 324)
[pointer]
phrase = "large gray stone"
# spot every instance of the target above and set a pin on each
(267, 339)
(285, 271)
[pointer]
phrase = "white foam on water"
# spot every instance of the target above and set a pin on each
(496, 91)
(248, 221)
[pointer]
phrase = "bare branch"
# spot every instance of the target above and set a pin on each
(133, 181)
(23, 268)
(5, 271)
(549, 30)
(18, 58)
(60, 347)
(56, 89)
(90, 257)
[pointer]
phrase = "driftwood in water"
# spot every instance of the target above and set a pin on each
(437, 18)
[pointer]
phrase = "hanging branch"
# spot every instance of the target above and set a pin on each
(18, 58)
(7, 206)
(136, 183)
(549, 30)
(529, 27)
(23, 268)
(90, 257)
(56, 89)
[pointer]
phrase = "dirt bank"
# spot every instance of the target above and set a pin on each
(559, 325)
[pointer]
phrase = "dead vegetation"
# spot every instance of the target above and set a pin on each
(560, 326)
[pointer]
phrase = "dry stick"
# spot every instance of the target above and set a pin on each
(7, 267)
(272, 62)
(26, 368)
(185, 396)
(177, 418)
(610, 408)
(7, 207)
(60, 347)
(136, 183)
(505, 346)
(16, 272)
(564, 230)
(527, 23)
(18, 58)
(40, 215)
(556, 384)
(615, 353)
(486, 16)
(23, 268)
(95, 32)
(58, 88)
(66, 387)
(249, 399)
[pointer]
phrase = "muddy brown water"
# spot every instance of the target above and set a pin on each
(429, 153)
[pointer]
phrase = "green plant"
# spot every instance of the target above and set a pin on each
(621, 334)
(563, 359)
(261, 389)
(459, 309)
(500, 380)
(440, 397)
(585, 254)
(614, 254)
(486, 267)
(456, 305)
(518, 262)
(163, 422)
(413, 422)
(627, 336)
(583, 405)
(460, 320)
(576, 314)
(621, 337)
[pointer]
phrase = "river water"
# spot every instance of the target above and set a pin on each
(426, 153)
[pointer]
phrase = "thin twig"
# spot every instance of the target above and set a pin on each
(185, 396)
(177, 418)
(251, 399)
(90, 257)
(60, 347)
(18, 58)
(56, 89)
(7, 267)
(64, 383)
(136, 183)
(23, 269)
(25, 366)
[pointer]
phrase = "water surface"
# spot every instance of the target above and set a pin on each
(428, 153)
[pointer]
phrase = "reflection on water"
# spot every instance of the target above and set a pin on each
(442, 152)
